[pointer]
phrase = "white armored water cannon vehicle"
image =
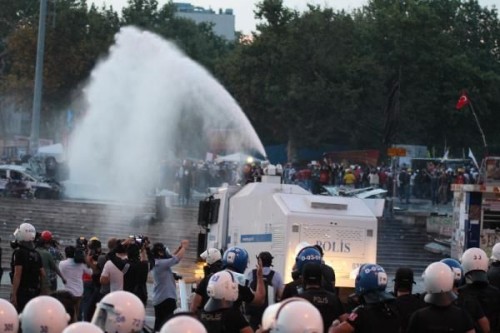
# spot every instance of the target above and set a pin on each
(279, 218)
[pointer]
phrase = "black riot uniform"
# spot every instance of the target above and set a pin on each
(327, 303)
(494, 274)
(229, 320)
(442, 315)
(201, 289)
(31, 263)
(376, 312)
(437, 319)
(488, 298)
(406, 303)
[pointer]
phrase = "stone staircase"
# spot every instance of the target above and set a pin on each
(398, 244)
(68, 220)
(401, 245)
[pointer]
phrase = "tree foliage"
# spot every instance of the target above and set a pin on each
(388, 72)
(326, 77)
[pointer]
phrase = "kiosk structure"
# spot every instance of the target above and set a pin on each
(476, 211)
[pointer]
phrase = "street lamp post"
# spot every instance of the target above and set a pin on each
(37, 98)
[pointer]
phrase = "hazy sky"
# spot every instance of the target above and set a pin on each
(243, 9)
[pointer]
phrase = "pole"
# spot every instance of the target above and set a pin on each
(480, 128)
(37, 98)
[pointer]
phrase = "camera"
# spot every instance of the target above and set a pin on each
(139, 239)
(81, 243)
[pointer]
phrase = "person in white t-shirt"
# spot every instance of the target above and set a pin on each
(373, 178)
(111, 274)
(73, 273)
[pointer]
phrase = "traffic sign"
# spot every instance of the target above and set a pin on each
(396, 151)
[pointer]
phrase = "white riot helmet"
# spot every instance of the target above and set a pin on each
(475, 265)
(82, 327)
(120, 312)
(438, 283)
(293, 315)
(44, 311)
(26, 232)
(183, 323)
(211, 255)
(9, 320)
(222, 290)
(495, 252)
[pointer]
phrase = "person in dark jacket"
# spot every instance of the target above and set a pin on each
(494, 269)
(406, 302)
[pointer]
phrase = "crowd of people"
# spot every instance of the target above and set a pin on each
(106, 292)
(431, 182)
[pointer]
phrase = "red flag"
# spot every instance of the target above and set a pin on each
(462, 101)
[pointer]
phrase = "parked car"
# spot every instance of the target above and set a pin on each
(18, 181)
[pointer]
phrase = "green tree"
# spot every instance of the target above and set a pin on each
(75, 38)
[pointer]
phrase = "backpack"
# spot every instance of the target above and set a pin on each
(253, 310)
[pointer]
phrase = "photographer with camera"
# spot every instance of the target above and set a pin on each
(164, 288)
(136, 267)
(115, 267)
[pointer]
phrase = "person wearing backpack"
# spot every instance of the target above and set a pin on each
(271, 279)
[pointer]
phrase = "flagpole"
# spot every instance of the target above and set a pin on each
(480, 128)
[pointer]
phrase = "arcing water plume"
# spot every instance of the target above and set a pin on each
(148, 102)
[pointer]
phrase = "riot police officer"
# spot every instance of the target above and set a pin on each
(475, 266)
(442, 315)
(327, 303)
(494, 269)
(376, 313)
(308, 254)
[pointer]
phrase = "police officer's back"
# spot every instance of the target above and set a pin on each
(475, 266)
(308, 254)
(27, 269)
(376, 313)
(213, 258)
(327, 272)
(470, 304)
(327, 303)
(219, 315)
(406, 303)
(235, 259)
(441, 315)
(494, 269)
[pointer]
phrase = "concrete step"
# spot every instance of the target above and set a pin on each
(69, 220)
